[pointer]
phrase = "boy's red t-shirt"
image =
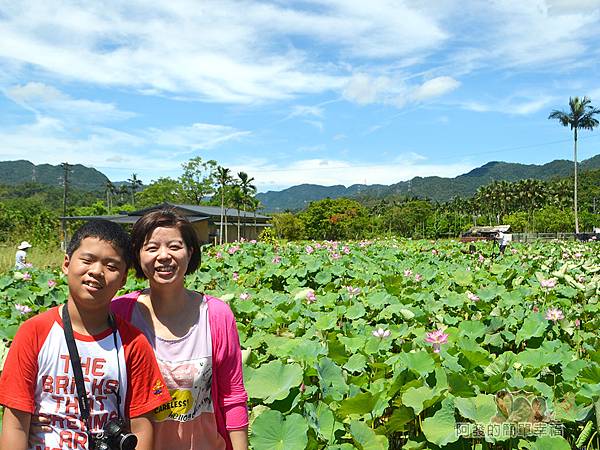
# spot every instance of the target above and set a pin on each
(38, 378)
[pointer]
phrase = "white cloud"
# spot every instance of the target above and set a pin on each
(209, 52)
(516, 104)
(198, 136)
(306, 111)
(364, 89)
(435, 87)
(150, 152)
(44, 99)
(316, 123)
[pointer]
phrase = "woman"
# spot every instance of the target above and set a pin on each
(194, 337)
(21, 255)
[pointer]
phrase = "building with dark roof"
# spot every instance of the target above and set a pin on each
(205, 219)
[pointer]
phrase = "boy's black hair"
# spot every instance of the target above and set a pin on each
(104, 230)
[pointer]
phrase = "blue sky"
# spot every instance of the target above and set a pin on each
(327, 92)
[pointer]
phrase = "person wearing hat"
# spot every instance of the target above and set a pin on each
(21, 255)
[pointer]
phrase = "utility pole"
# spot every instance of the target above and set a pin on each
(65, 167)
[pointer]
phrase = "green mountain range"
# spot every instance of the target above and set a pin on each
(298, 197)
(79, 177)
(435, 188)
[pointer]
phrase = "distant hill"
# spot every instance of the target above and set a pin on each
(435, 188)
(80, 177)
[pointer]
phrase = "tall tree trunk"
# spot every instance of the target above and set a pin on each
(221, 223)
(575, 187)
(226, 227)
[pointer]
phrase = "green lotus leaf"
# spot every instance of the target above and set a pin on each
(363, 403)
(534, 325)
(272, 431)
(365, 437)
(480, 409)
(272, 381)
(416, 398)
(355, 311)
(440, 429)
(356, 363)
(331, 379)
(551, 443)
(420, 362)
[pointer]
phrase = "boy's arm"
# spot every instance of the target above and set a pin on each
(142, 427)
(15, 429)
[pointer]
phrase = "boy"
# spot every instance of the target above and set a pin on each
(38, 375)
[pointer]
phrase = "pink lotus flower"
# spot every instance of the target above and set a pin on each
(353, 291)
(253, 241)
(577, 323)
(577, 255)
(346, 249)
(51, 283)
(219, 255)
(513, 251)
(23, 309)
(309, 249)
(548, 284)
(407, 272)
(434, 252)
(481, 258)
(418, 277)
(311, 297)
(437, 338)
(580, 279)
(317, 245)
(233, 249)
(472, 297)
(335, 256)
(381, 333)
(554, 314)
(244, 296)
(235, 276)
(276, 260)
(26, 276)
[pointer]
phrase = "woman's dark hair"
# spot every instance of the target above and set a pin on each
(164, 218)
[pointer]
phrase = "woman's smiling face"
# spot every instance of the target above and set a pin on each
(164, 257)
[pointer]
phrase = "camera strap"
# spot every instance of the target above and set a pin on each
(84, 405)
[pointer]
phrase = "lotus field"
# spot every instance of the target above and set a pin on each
(399, 344)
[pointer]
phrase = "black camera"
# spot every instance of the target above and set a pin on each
(114, 436)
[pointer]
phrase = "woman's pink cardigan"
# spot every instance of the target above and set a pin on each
(228, 393)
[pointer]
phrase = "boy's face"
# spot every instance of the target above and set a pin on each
(95, 272)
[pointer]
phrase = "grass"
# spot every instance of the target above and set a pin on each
(41, 258)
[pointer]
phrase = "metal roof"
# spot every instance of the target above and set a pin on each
(122, 218)
(211, 211)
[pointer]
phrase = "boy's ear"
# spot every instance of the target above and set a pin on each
(124, 279)
(65, 264)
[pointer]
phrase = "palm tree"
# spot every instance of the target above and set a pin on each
(110, 191)
(223, 179)
(237, 198)
(580, 116)
(247, 191)
(135, 185)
